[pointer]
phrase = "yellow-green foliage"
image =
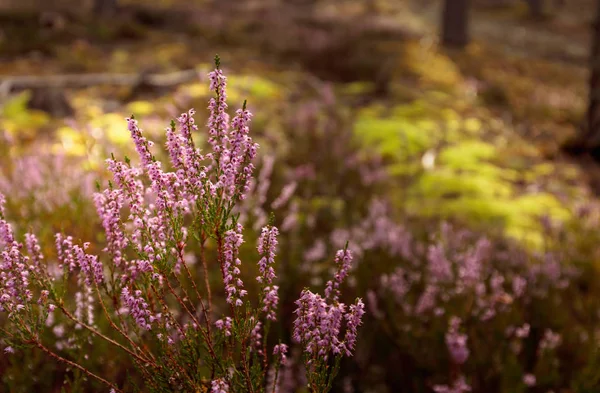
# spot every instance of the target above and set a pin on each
(466, 177)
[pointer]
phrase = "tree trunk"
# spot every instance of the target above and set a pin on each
(536, 8)
(455, 23)
(592, 132)
(105, 7)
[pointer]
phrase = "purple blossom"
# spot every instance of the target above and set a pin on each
(142, 145)
(457, 342)
(318, 325)
(256, 336)
(219, 386)
(459, 386)
(523, 331)
(35, 252)
(138, 308)
(14, 273)
(439, 266)
(224, 325)
(230, 266)
(529, 380)
(281, 350)
(218, 119)
(550, 340)
(267, 248)
(353, 318)
(343, 258)
(108, 206)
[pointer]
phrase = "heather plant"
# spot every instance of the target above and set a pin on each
(470, 313)
(140, 296)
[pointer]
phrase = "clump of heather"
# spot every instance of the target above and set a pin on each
(141, 297)
(460, 303)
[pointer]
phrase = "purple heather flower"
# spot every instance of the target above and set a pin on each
(529, 380)
(108, 206)
(267, 247)
(34, 250)
(225, 325)
(523, 331)
(439, 266)
(396, 283)
(142, 145)
(343, 258)
(218, 119)
(318, 325)
(230, 266)
(256, 336)
(459, 386)
(457, 342)
(281, 350)
(353, 318)
(519, 284)
(138, 308)
(550, 340)
(219, 386)
(14, 273)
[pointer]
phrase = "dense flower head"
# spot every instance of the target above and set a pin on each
(459, 386)
(529, 380)
(15, 292)
(354, 320)
(108, 206)
(550, 340)
(142, 145)
(225, 325)
(218, 118)
(281, 350)
(318, 325)
(35, 252)
(457, 342)
(440, 267)
(138, 308)
(231, 266)
(343, 259)
(219, 386)
(267, 248)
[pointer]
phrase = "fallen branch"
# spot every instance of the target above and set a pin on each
(87, 80)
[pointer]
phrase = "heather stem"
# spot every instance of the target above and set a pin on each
(206, 278)
(73, 364)
(114, 326)
(108, 339)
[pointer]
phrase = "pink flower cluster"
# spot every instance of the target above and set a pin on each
(457, 342)
(138, 308)
(219, 386)
(267, 247)
(15, 293)
(459, 386)
(318, 324)
(73, 256)
(230, 266)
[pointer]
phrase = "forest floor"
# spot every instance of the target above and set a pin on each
(473, 135)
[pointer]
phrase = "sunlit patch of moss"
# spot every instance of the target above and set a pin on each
(446, 183)
(357, 88)
(431, 65)
(470, 177)
(242, 87)
(15, 117)
(194, 90)
(141, 108)
(393, 137)
(70, 142)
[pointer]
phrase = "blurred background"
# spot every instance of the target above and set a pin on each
(461, 133)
